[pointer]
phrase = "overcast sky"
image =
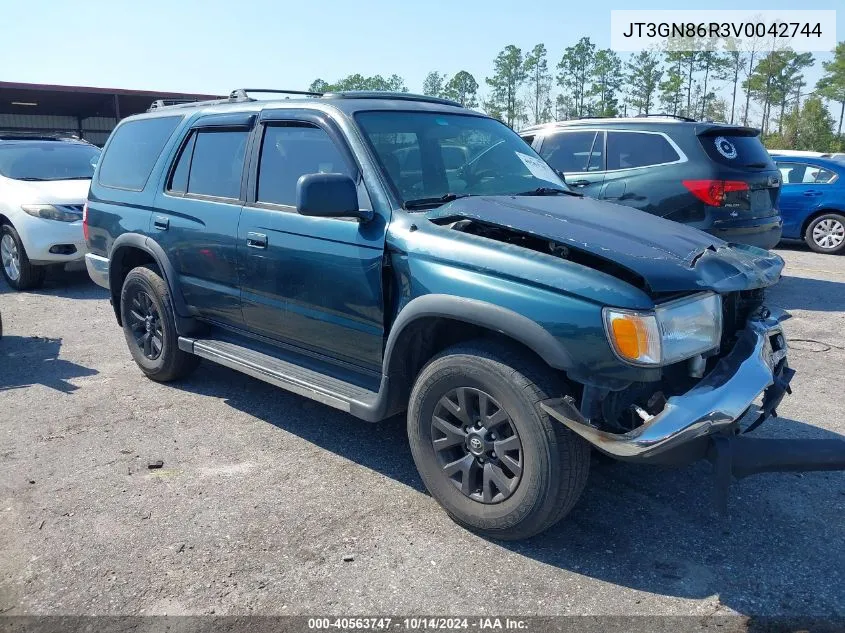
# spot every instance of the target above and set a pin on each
(213, 46)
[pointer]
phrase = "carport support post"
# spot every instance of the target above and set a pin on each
(116, 108)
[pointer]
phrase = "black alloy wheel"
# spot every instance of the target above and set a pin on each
(144, 321)
(477, 445)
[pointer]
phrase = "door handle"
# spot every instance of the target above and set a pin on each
(578, 183)
(256, 240)
(161, 223)
(812, 193)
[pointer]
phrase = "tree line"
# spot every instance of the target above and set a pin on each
(737, 84)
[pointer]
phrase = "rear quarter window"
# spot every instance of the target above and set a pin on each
(735, 150)
(133, 150)
(626, 150)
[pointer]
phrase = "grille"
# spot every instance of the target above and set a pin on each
(71, 208)
(736, 308)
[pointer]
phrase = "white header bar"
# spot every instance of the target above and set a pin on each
(638, 30)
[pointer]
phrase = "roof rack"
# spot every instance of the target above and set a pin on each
(241, 95)
(159, 104)
(379, 94)
(664, 115)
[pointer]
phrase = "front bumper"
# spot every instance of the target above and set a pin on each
(757, 364)
(39, 236)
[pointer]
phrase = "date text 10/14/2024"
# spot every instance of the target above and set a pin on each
(417, 623)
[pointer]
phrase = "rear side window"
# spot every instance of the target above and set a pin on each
(179, 179)
(736, 150)
(823, 176)
(573, 151)
(133, 151)
(802, 173)
(291, 151)
(217, 163)
(626, 150)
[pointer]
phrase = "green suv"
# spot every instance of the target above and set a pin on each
(391, 253)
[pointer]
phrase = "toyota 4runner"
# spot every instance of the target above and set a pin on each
(383, 253)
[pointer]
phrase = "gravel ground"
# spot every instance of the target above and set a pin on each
(264, 496)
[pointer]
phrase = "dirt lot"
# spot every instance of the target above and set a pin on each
(263, 494)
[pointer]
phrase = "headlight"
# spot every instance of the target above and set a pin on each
(51, 212)
(672, 332)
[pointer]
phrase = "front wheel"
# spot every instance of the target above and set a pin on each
(149, 326)
(485, 449)
(17, 270)
(826, 234)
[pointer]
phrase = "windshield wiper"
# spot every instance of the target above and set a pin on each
(550, 191)
(421, 203)
(757, 165)
(32, 179)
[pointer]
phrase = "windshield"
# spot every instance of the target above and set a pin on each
(429, 155)
(51, 160)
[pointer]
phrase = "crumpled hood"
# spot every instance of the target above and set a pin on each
(669, 256)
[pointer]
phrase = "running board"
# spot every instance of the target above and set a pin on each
(329, 390)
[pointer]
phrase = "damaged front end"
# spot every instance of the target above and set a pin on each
(711, 419)
(697, 360)
(756, 365)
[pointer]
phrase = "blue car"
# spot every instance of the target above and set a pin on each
(812, 201)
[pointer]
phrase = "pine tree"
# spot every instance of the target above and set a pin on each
(576, 67)
(462, 88)
(606, 83)
(433, 84)
(643, 79)
(508, 77)
(539, 81)
(832, 84)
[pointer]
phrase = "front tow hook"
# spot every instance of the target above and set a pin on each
(740, 456)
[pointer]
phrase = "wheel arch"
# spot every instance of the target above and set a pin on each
(131, 250)
(431, 323)
(812, 216)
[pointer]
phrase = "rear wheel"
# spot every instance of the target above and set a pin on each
(149, 327)
(826, 233)
(17, 270)
(486, 450)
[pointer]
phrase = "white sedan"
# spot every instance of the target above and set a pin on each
(43, 186)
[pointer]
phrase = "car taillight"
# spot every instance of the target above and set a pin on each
(85, 221)
(713, 192)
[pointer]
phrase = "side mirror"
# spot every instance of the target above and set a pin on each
(328, 196)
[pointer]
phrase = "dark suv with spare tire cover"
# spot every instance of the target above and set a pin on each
(713, 176)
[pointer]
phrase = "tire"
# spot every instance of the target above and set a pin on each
(149, 327)
(554, 462)
(18, 272)
(826, 234)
